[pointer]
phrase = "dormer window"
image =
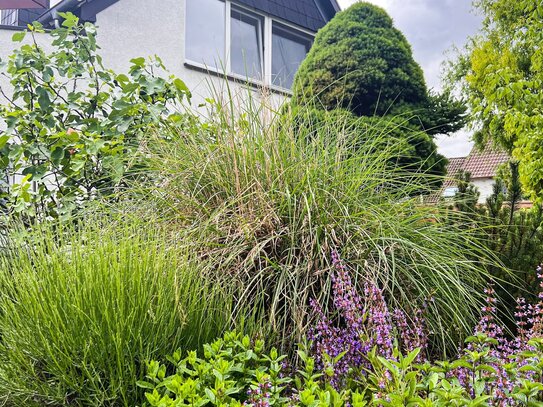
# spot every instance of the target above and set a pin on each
(248, 44)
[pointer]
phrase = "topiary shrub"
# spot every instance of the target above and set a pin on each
(361, 63)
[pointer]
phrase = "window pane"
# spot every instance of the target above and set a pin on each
(289, 49)
(246, 45)
(204, 42)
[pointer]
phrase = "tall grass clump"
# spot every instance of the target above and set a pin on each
(267, 197)
(82, 311)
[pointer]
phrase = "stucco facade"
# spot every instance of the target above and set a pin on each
(144, 28)
(484, 186)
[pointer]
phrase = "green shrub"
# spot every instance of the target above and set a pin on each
(234, 372)
(268, 205)
(82, 311)
(361, 62)
(72, 127)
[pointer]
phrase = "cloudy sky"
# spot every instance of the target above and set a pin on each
(433, 27)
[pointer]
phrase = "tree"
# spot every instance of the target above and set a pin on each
(361, 63)
(514, 234)
(71, 127)
(467, 195)
(502, 77)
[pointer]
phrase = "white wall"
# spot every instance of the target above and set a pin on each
(135, 28)
(484, 185)
(144, 28)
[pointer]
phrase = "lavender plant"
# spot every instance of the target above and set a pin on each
(341, 343)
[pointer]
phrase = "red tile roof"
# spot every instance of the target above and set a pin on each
(479, 163)
(455, 165)
(483, 163)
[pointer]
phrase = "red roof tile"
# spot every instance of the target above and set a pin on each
(484, 163)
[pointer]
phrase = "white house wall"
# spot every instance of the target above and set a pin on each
(484, 185)
(135, 28)
(143, 28)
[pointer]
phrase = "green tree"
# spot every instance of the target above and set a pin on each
(466, 197)
(515, 234)
(71, 127)
(502, 77)
(360, 62)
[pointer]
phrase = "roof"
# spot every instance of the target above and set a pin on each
(455, 165)
(309, 14)
(479, 163)
(484, 163)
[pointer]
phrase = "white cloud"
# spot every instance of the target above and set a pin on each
(432, 27)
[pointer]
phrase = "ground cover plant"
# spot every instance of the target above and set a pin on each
(82, 310)
(361, 360)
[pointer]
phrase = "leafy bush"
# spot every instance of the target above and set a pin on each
(72, 127)
(514, 233)
(266, 204)
(81, 311)
(490, 370)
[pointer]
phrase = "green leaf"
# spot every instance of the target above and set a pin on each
(139, 62)
(4, 140)
(145, 385)
(18, 36)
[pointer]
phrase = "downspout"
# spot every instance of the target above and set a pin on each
(52, 14)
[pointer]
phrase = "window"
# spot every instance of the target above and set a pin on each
(246, 47)
(10, 17)
(450, 192)
(289, 49)
(205, 28)
(227, 37)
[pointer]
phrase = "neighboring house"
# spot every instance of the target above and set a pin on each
(482, 165)
(256, 42)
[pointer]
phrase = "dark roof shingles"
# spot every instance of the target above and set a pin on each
(304, 13)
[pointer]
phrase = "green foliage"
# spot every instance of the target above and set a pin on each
(395, 133)
(465, 199)
(232, 372)
(82, 311)
(73, 127)
(515, 234)
(361, 63)
(502, 77)
(268, 202)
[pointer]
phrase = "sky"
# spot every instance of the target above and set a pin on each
(433, 27)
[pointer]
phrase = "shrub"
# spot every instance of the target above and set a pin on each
(361, 62)
(266, 204)
(71, 126)
(82, 310)
(490, 370)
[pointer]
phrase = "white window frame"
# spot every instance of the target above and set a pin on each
(12, 14)
(267, 45)
(261, 40)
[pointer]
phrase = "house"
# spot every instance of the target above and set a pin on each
(255, 42)
(482, 165)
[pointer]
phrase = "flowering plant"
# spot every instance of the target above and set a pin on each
(364, 355)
